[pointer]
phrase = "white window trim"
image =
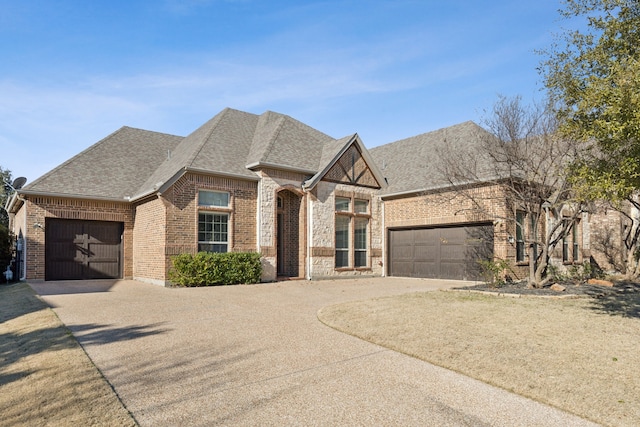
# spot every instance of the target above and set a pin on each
(213, 242)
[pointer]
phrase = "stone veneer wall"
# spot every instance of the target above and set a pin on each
(322, 257)
(272, 182)
(38, 208)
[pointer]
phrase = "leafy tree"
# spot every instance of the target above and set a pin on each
(522, 158)
(5, 191)
(5, 235)
(593, 76)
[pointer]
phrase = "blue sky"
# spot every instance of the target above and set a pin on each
(72, 72)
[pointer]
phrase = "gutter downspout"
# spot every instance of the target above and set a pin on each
(384, 241)
(309, 234)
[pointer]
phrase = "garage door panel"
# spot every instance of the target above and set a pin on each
(425, 253)
(76, 249)
(440, 252)
(424, 269)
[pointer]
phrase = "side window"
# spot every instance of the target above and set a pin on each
(213, 232)
(219, 199)
(213, 221)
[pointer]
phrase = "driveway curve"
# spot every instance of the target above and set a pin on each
(257, 355)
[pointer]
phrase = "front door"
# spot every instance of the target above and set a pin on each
(288, 234)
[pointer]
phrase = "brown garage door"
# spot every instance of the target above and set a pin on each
(80, 250)
(440, 253)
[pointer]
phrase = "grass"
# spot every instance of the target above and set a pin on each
(580, 355)
(46, 378)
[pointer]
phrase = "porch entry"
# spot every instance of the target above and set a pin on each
(288, 229)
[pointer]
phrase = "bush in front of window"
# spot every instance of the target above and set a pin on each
(210, 268)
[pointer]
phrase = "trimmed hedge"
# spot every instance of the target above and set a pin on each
(208, 268)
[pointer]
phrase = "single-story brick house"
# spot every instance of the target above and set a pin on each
(312, 205)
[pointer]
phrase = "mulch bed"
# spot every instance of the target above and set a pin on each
(571, 288)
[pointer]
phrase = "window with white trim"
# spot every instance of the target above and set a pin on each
(213, 221)
(351, 232)
(213, 232)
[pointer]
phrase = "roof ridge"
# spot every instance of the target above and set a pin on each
(272, 140)
(414, 137)
(150, 131)
(208, 134)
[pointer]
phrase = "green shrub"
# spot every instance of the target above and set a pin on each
(493, 271)
(208, 268)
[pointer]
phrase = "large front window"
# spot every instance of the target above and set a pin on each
(351, 239)
(213, 232)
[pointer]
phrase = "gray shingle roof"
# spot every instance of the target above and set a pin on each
(131, 163)
(286, 142)
(112, 168)
(411, 164)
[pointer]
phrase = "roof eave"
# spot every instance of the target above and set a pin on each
(72, 196)
(404, 193)
(258, 165)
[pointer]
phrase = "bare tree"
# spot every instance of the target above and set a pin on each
(523, 162)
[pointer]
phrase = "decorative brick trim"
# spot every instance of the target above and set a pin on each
(318, 251)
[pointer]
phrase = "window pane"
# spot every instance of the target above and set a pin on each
(213, 233)
(343, 204)
(519, 236)
(213, 198)
(519, 226)
(342, 258)
(208, 247)
(361, 233)
(361, 206)
(342, 241)
(360, 258)
(342, 232)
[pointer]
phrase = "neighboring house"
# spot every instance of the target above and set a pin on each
(312, 205)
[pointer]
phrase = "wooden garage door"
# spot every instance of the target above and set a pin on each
(440, 253)
(80, 250)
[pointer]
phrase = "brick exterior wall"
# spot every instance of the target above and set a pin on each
(149, 241)
(177, 232)
(448, 208)
(606, 240)
(38, 208)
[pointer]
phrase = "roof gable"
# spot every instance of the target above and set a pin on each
(350, 164)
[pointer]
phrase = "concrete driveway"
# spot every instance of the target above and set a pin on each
(257, 356)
